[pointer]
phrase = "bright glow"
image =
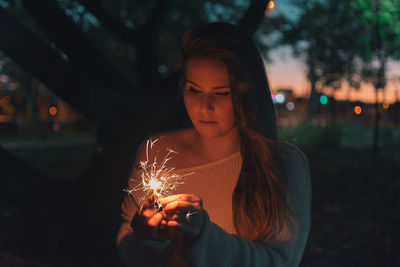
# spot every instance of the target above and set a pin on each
(53, 111)
(357, 110)
(155, 184)
(278, 97)
(156, 178)
(271, 5)
(290, 105)
(386, 105)
(323, 99)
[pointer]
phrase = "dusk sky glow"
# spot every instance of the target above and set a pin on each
(285, 71)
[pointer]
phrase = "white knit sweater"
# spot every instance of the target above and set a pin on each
(218, 243)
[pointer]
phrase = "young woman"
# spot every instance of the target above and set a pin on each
(248, 199)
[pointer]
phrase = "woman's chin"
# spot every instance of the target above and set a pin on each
(209, 133)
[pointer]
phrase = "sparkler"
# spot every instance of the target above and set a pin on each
(156, 178)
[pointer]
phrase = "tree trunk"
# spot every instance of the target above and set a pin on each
(32, 102)
(76, 47)
(253, 16)
(376, 128)
(380, 83)
(313, 101)
(333, 108)
(396, 107)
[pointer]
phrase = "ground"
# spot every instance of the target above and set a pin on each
(355, 201)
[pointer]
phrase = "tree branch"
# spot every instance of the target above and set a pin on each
(69, 38)
(145, 39)
(45, 63)
(156, 17)
(253, 16)
(114, 26)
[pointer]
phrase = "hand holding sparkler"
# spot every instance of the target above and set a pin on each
(185, 217)
(147, 222)
(156, 180)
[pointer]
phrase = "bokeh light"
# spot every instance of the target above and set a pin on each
(323, 99)
(278, 97)
(271, 5)
(290, 105)
(52, 110)
(385, 105)
(357, 110)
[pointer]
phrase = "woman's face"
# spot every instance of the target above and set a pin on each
(208, 97)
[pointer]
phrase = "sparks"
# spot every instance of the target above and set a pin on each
(190, 213)
(156, 177)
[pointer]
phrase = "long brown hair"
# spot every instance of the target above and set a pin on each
(259, 203)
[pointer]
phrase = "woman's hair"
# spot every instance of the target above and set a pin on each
(259, 203)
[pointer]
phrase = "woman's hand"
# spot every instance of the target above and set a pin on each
(184, 217)
(147, 222)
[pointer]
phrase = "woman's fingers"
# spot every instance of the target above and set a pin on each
(174, 224)
(172, 217)
(175, 216)
(155, 220)
(148, 213)
(179, 206)
(181, 228)
(180, 197)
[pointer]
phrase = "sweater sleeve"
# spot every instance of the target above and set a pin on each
(133, 250)
(215, 247)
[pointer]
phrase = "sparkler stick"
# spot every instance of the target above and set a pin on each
(156, 178)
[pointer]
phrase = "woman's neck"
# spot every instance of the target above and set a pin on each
(221, 146)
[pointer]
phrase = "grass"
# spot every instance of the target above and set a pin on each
(49, 136)
(62, 156)
(354, 218)
(355, 203)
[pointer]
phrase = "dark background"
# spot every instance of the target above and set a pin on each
(83, 82)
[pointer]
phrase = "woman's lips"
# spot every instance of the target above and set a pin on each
(208, 122)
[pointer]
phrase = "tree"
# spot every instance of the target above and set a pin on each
(78, 45)
(346, 41)
(324, 36)
(380, 41)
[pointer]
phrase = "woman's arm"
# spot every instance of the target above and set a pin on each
(215, 247)
(133, 250)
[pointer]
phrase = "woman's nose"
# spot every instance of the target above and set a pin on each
(207, 102)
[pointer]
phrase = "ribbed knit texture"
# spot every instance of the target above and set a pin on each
(218, 244)
(214, 183)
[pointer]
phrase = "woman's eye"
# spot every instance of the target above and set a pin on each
(223, 93)
(191, 89)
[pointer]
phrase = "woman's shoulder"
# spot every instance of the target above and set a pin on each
(291, 152)
(295, 167)
(165, 144)
(175, 139)
(293, 161)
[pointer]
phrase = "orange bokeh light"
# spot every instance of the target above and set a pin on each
(386, 105)
(357, 110)
(271, 5)
(53, 111)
